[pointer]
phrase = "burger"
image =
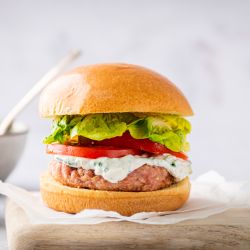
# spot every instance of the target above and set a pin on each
(118, 141)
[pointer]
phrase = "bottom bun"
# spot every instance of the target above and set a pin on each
(74, 200)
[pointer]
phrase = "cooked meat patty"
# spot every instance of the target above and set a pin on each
(145, 178)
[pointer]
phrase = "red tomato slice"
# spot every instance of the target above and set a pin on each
(127, 141)
(91, 152)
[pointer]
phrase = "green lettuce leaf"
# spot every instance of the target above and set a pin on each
(169, 130)
(61, 128)
(101, 126)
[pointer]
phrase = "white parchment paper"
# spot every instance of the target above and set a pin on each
(210, 194)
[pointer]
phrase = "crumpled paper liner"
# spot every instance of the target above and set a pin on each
(210, 194)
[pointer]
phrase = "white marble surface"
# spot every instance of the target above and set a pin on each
(203, 46)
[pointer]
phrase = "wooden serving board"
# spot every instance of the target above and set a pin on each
(229, 230)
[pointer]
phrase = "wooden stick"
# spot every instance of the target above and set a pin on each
(36, 89)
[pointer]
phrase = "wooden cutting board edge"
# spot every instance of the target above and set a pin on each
(228, 230)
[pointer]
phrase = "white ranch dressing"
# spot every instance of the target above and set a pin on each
(117, 169)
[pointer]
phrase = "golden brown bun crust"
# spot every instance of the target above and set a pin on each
(74, 200)
(112, 88)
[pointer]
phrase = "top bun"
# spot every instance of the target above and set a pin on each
(112, 88)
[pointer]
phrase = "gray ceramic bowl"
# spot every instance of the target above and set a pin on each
(11, 148)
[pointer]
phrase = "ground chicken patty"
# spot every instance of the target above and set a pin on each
(145, 178)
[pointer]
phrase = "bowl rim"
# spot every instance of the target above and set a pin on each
(16, 133)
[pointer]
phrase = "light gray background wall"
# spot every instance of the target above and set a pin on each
(203, 46)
